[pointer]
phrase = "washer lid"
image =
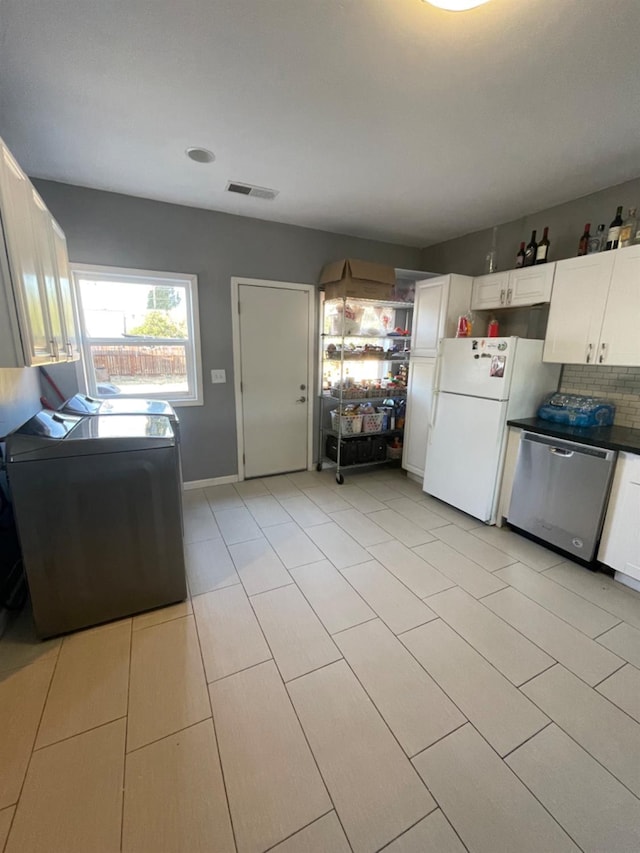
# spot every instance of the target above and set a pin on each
(81, 404)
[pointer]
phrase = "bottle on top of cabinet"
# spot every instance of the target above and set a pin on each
(613, 235)
(629, 228)
(520, 256)
(597, 243)
(542, 252)
(530, 251)
(583, 244)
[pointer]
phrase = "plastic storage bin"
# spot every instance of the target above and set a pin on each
(351, 425)
(372, 423)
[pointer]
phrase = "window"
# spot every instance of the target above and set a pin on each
(140, 333)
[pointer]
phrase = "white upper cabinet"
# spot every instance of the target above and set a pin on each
(593, 318)
(513, 288)
(39, 327)
(438, 304)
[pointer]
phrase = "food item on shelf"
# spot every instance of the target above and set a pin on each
(597, 243)
(542, 252)
(583, 244)
(629, 228)
(613, 234)
(493, 328)
(530, 251)
(520, 256)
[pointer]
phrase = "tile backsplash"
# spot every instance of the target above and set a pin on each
(621, 385)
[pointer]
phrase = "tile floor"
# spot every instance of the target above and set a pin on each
(359, 668)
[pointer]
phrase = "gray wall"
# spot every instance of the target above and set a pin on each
(19, 396)
(467, 254)
(118, 230)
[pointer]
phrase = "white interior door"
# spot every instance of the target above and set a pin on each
(274, 330)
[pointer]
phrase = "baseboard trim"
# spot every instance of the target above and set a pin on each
(212, 481)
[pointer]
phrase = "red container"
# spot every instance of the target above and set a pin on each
(493, 328)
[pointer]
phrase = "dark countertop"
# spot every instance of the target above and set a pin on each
(611, 438)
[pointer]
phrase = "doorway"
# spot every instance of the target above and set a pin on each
(273, 333)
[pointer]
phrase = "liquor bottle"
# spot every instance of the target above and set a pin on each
(583, 245)
(520, 256)
(628, 230)
(542, 254)
(530, 251)
(613, 235)
(597, 243)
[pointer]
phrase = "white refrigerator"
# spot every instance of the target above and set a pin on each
(482, 383)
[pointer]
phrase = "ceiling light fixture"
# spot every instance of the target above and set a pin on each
(456, 5)
(200, 155)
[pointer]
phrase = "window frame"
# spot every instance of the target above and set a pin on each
(189, 283)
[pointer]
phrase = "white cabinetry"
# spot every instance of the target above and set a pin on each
(418, 414)
(39, 326)
(620, 544)
(513, 288)
(593, 318)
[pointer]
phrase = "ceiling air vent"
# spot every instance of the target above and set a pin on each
(251, 190)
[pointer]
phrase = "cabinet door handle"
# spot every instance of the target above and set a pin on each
(589, 351)
(603, 352)
(55, 352)
(509, 292)
(69, 351)
(502, 295)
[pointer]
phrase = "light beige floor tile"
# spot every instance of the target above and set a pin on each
(259, 566)
(273, 784)
(335, 601)
(375, 790)
(72, 796)
(337, 546)
(22, 696)
(295, 635)
(6, 816)
(292, 545)
(303, 511)
(167, 689)
(574, 609)
(251, 488)
(281, 486)
(407, 488)
(209, 566)
(473, 548)
(516, 657)
(360, 527)
(358, 498)
(521, 549)
(500, 712)
(237, 525)
(449, 513)
(599, 589)
(323, 836)
(414, 707)
(90, 684)
(326, 499)
(623, 689)
(412, 570)
(417, 513)
(432, 835)
(267, 510)
(199, 522)
(599, 813)
(305, 479)
(624, 641)
(162, 614)
(380, 490)
(19, 645)
(458, 568)
(489, 807)
(401, 528)
(396, 605)
(230, 637)
(607, 733)
(223, 497)
(580, 654)
(174, 796)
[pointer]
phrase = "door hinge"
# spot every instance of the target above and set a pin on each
(244, 459)
(241, 388)
(238, 306)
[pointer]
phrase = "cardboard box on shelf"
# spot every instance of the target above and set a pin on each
(358, 279)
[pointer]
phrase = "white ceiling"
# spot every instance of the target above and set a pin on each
(382, 118)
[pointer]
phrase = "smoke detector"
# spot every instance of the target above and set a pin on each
(200, 155)
(251, 190)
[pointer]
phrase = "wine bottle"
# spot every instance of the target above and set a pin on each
(542, 253)
(520, 256)
(628, 230)
(613, 235)
(583, 245)
(597, 243)
(530, 251)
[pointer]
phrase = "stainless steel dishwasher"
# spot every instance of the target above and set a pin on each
(560, 492)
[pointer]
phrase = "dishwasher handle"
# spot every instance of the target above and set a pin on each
(559, 451)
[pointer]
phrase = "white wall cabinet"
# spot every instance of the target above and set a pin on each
(418, 414)
(593, 318)
(40, 325)
(620, 543)
(513, 288)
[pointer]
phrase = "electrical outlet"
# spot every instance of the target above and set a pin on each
(218, 376)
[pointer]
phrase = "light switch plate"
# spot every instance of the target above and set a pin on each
(218, 376)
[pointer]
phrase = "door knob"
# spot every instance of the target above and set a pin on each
(301, 400)
(303, 387)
